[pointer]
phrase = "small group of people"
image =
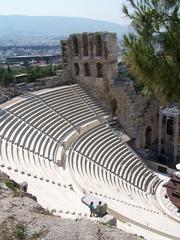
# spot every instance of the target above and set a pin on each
(99, 211)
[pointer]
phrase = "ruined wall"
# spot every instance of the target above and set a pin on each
(137, 114)
(62, 77)
(92, 60)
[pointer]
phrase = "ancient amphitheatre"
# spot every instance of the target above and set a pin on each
(60, 141)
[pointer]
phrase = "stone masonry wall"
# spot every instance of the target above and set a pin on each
(96, 52)
(135, 112)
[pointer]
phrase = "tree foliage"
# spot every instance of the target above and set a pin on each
(6, 76)
(152, 49)
(33, 72)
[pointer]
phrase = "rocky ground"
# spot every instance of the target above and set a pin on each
(21, 217)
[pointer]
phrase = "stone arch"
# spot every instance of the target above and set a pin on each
(113, 106)
(169, 128)
(87, 71)
(76, 69)
(148, 136)
(85, 45)
(99, 70)
(98, 44)
(75, 46)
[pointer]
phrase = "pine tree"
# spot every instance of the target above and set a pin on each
(152, 49)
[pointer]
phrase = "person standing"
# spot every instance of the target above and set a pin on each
(99, 210)
(91, 207)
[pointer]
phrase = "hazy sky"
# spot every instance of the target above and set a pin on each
(109, 10)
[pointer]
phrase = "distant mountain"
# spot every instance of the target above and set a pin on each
(36, 25)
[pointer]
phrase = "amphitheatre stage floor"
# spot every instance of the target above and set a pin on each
(60, 142)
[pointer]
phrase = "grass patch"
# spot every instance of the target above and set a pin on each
(21, 232)
(106, 224)
(13, 186)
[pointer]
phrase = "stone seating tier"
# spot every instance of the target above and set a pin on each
(33, 139)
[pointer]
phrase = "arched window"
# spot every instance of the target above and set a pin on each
(87, 70)
(76, 69)
(98, 44)
(148, 136)
(169, 129)
(99, 70)
(75, 45)
(85, 45)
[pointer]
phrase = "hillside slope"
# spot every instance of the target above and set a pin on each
(42, 25)
(21, 217)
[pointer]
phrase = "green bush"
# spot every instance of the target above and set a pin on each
(12, 185)
(35, 72)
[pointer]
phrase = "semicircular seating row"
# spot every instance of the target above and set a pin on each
(31, 133)
(102, 163)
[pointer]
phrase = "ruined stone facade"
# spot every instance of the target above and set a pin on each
(92, 60)
(169, 132)
(137, 114)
